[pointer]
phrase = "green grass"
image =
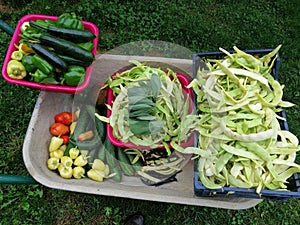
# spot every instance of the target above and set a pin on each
(203, 25)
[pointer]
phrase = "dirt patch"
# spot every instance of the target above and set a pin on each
(4, 7)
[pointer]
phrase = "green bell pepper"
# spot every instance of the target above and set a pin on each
(43, 78)
(28, 64)
(69, 20)
(42, 64)
(39, 76)
(74, 75)
(87, 46)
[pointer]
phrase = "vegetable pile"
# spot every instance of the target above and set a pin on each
(79, 148)
(150, 108)
(53, 52)
(241, 143)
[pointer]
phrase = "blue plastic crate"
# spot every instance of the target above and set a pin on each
(294, 182)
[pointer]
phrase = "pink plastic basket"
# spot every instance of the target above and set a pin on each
(110, 98)
(48, 87)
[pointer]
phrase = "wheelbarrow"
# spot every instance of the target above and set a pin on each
(181, 192)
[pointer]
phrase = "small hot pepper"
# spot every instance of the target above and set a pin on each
(74, 75)
(65, 171)
(65, 138)
(69, 20)
(16, 69)
(55, 143)
(78, 172)
(42, 64)
(53, 163)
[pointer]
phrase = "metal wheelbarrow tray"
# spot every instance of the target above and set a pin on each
(35, 150)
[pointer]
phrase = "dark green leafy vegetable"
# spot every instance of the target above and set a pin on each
(69, 20)
(141, 101)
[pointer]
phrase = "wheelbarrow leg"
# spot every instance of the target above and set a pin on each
(16, 179)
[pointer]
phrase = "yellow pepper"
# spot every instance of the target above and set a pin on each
(98, 164)
(99, 171)
(78, 172)
(55, 143)
(96, 175)
(63, 147)
(74, 152)
(57, 153)
(53, 163)
(72, 127)
(65, 171)
(17, 55)
(80, 161)
(16, 70)
(66, 161)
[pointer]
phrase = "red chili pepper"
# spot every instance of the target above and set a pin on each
(65, 138)
(65, 118)
(59, 129)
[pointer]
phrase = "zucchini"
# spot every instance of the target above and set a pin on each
(92, 155)
(101, 153)
(117, 174)
(65, 47)
(72, 61)
(124, 162)
(49, 56)
(88, 144)
(100, 127)
(74, 35)
(110, 156)
(81, 126)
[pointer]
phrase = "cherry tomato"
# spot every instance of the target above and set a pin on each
(65, 118)
(57, 129)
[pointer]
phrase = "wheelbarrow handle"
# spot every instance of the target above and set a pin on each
(7, 28)
(16, 179)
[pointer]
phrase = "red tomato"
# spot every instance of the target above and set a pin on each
(65, 118)
(57, 129)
